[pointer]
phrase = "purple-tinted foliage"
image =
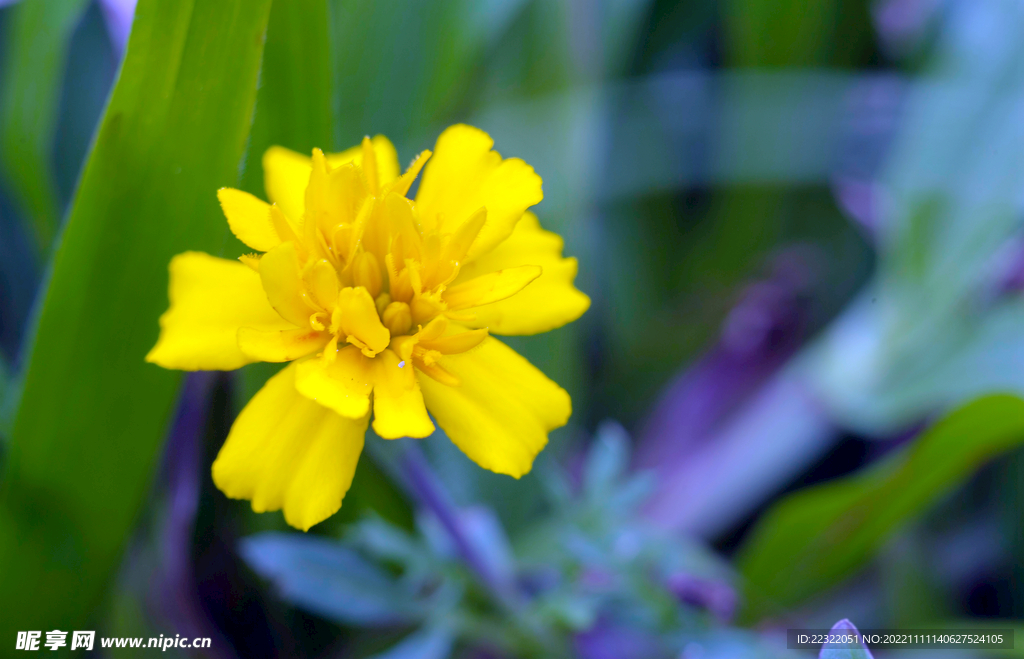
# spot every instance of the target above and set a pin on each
(119, 15)
(1007, 270)
(873, 113)
(842, 651)
(178, 598)
(595, 579)
(429, 491)
(733, 427)
(780, 432)
(861, 201)
(538, 580)
(902, 24)
(483, 653)
(608, 641)
(717, 597)
(761, 332)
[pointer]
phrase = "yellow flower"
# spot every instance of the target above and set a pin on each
(378, 301)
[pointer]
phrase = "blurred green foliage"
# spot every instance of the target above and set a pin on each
(798, 33)
(940, 322)
(663, 249)
(295, 102)
(34, 64)
(679, 257)
(814, 538)
(93, 415)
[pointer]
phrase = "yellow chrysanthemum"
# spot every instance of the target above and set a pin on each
(378, 301)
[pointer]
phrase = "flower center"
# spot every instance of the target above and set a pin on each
(373, 273)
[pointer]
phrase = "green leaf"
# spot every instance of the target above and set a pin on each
(294, 106)
(816, 537)
(806, 33)
(918, 340)
(93, 414)
(330, 579)
(6, 387)
(403, 67)
(426, 643)
(10, 394)
(34, 65)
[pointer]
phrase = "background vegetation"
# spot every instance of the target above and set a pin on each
(795, 395)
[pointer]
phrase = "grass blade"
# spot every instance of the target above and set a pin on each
(818, 536)
(93, 414)
(34, 66)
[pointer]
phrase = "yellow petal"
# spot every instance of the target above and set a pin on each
(282, 282)
(249, 219)
(408, 242)
(356, 317)
(370, 166)
(285, 176)
(492, 287)
(343, 384)
(280, 345)
(346, 237)
(424, 307)
(286, 451)
(402, 184)
(398, 409)
(366, 272)
(321, 280)
(433, 330)
(548, 302)
(285, 226)
(436, 373)
(211, 299)
(286, 173)
(387, 158)
(460, 242)
(502, 410)
(347, 193)
(464, 175)
(454, 344)
(318, 203)
(252, 261)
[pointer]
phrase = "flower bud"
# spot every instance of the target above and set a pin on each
(397, 318)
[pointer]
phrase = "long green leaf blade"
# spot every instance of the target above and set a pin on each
(816, 537)
(93, 413)
(294, 107)
(34, 65)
